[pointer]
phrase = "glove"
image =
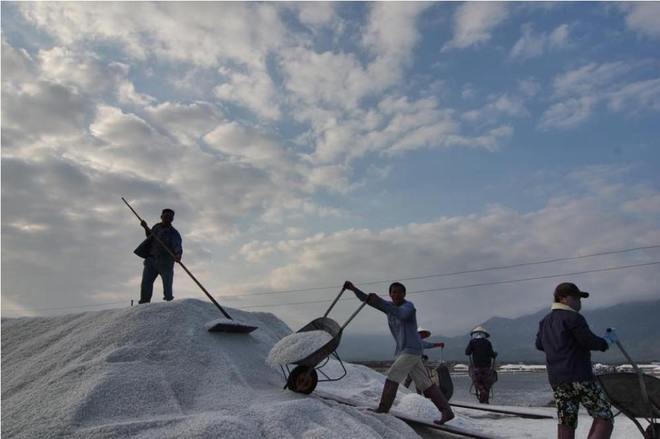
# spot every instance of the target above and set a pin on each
(610, 336)
(439, 345)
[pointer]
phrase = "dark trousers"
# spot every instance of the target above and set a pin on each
(152, 268)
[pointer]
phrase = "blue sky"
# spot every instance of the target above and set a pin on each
(302, 144)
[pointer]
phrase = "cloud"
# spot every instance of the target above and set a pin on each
(571, 223)
(503, 105)
(316, 14)
(209, 33)
(187, 123)
(531, 45)
(255, 91)
(643, 17)
(474, 22)
(568, 113)
(639, 96)
(579, 92)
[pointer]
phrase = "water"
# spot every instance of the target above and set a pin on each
(530, 389)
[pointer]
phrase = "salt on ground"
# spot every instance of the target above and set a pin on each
(418, 407)
(297, 346)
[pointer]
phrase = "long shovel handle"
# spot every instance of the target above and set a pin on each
(180, 263)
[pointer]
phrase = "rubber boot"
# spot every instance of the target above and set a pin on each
(601, 429)
(387, 398)
(565, 432)
(435, 394)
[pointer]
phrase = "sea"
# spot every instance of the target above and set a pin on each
(527, 389)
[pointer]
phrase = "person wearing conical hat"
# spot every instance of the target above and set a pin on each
(482, 357)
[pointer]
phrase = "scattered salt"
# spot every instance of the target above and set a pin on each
(297, 346)
(419, 407)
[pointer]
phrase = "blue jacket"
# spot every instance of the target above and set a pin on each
(150, 247)
(402, 321)
(567, 341)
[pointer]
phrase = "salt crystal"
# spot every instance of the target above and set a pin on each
(297, 346)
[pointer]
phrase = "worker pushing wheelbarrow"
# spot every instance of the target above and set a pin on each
(321, 336)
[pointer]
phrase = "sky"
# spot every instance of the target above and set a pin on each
(304, 144)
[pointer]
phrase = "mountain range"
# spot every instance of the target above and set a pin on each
(636, 323)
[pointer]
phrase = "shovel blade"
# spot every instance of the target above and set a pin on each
(237, 328)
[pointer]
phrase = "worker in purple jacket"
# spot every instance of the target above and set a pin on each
(567, 341)
(402, 320)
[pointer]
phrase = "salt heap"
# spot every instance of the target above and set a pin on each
(297, 346)
(154, 371)
(418, 406)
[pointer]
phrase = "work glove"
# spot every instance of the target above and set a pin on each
(610, 336)
(439, 345)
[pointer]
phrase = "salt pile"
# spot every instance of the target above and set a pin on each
(154, 371)
(297, 346)
(419, 407)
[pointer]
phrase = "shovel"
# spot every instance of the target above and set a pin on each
(215, 326)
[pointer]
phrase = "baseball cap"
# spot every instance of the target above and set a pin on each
(569, 289)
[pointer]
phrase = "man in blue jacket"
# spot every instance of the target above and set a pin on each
(402, 320)
(567, 341)
(158, 260)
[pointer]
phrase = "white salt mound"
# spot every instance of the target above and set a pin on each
(419, 407)
(153, 372)
(297, 346)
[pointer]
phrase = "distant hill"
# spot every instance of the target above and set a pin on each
(637, 323)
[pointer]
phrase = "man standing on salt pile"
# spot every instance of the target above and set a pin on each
(481, 355)
(402, 320)
(157, 260)
(566, 339)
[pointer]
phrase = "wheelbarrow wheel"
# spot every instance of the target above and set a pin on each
(302, 379)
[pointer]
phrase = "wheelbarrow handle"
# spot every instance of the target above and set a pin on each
(640, 375)
(334, 302)
(353, 315)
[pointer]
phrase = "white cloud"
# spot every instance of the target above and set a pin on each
(643, 17)
(254, 91)
(474, 22)
(84, 71)
(531, 45)
(186, 123)
(315, 14)
(590, 78)
(202, 35)
(568, 225)
(129, 96)
(498, 106)
(638, 96)
(579, 92)
(568, 113)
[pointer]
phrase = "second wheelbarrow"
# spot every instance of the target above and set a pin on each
(304, 376)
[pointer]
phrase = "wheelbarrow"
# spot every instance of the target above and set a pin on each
(634, 394)
(305, 375)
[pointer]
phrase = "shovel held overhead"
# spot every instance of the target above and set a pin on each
(218, 326)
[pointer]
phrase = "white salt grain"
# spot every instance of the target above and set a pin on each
(297, 346)
(419, 407)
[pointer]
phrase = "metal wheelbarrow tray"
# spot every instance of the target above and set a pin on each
(304, 376)
(636, 395)
(625, 393)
